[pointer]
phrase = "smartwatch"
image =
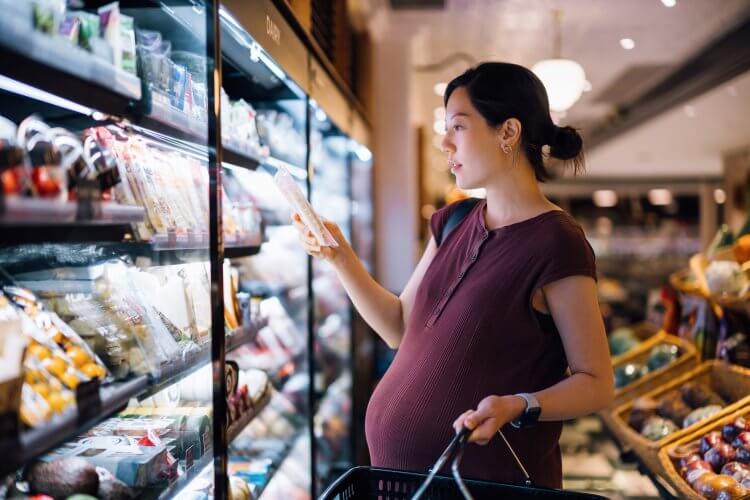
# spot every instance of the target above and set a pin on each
(530, 414)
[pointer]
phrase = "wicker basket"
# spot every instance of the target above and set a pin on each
(683, 283)
(730, 381)
(648, 333)
(671, 472)
(686, 361)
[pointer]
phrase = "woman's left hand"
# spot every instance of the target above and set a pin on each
(492, 413)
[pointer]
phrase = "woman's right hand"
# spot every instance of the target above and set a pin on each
(310, 242)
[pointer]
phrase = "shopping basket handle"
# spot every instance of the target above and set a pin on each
(457, 442)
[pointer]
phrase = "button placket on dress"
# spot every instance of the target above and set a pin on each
(461, 275)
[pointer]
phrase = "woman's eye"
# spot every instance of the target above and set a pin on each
(458, 127)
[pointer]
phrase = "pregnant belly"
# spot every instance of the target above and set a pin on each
(407, 424)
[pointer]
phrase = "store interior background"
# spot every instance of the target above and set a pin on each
(349, 93)
(665, 127)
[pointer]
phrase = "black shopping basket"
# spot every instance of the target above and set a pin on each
(365, 483)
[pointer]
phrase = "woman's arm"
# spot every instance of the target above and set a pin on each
(386, 313)
(590, 387)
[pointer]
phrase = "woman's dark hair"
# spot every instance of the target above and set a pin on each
(500, 91)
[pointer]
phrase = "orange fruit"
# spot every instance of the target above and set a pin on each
(57, 366)
(42, 389)
(79, 356)
(70, 380)
(93, 370)
(57, 402)
(39, 352)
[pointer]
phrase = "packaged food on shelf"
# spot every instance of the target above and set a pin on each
(277, 130)
(63, 477)
(176, 294)
(119, 325)
(58, 332)
(239, 128)
(134, 464)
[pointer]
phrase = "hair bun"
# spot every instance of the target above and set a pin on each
(566, 143)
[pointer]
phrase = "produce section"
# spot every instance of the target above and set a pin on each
(116, 307)
(682, 393)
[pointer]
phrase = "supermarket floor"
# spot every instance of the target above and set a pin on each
(591, 462)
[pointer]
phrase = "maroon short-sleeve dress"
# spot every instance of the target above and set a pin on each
(472, 333)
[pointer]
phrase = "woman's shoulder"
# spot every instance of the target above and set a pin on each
(440, 217)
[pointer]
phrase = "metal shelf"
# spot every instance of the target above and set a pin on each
(241, 251)
(17, 233)
(34, 442)
(236, 427)
(236, 158)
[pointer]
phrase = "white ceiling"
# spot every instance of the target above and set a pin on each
(689, 140)
(521, 31)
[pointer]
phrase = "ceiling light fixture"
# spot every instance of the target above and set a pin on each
(564, 79)
(439, 88)
(605, 198)
(669, 3)
(627, 43)
(660, 197)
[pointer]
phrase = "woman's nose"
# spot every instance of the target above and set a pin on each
(446, 145)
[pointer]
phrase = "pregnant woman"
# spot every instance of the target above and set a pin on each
(499, 325)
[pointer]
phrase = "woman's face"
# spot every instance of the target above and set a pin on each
(471, 144)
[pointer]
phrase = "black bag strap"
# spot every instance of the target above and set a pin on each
(462, 209)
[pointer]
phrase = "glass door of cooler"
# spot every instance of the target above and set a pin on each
(363, 242)
(264, 123)
(106, 320)
(330, 198)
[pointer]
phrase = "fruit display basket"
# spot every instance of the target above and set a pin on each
(649, 334)
(685, 361)
(671, 454)
(731, 382)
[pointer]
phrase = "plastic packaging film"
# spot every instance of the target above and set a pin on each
(297, 200)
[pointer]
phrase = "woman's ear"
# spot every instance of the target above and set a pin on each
(510, 132)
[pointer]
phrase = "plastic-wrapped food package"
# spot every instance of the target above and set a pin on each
(50, 375)
(154, 53)
(296, 198)
(56, 331)
(109, 19)
(274, 263)
(117, 322)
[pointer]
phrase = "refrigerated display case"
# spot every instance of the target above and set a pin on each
(107, 231)
(272, 453)
(157, 323)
